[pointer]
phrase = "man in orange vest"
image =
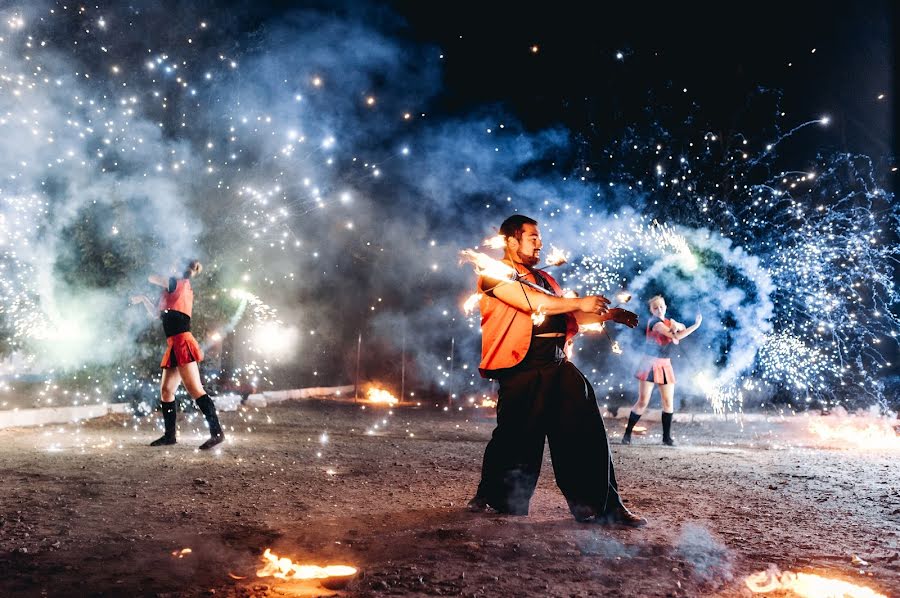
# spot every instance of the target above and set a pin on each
(525, 325)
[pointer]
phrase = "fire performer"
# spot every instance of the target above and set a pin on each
(656, 367)
(525, 324)
(183, 353)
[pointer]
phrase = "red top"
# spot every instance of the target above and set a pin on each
(181, 299)
(506, 331)
(655, 337)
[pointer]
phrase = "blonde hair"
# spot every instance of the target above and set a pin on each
(193, 268)
(654, 298)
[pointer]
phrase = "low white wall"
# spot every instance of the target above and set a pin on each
(16, 418)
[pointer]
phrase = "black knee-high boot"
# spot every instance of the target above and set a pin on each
(169, 415)
(632, 419)
(206, 405)
(667, 429)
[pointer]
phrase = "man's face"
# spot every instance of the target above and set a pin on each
(527, 249)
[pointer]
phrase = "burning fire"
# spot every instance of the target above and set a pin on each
(616, 348)
(488, 403)
(471, 303)
(591, 327)
(180, 553)
(488, 266)
(284, 568)
(538, 317)
(495, 242)
(623, 297)
(807, 585)
(869, 433)
(381, 396)
(556, 257)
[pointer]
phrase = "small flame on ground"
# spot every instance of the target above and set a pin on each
(284, 568)
(381, 396)
(181, 553)
(807, 585)
(865, 433)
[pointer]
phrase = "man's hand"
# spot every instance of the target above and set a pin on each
(623, 316)
(594, 304)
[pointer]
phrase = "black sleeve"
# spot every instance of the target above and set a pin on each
(173, 284)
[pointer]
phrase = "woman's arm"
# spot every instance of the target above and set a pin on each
(527, 299)
(683, 332)
(147, 304)
(160, 281)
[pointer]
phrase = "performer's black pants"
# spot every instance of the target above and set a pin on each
(554, 400)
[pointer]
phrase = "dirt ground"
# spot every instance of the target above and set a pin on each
(89, 510)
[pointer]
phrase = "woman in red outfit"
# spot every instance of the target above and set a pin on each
(656, 367)
(183, 353)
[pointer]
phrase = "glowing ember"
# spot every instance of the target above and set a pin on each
(556, 257)
(471, 303)
(181, 553)
(616, 349)
(488, 403)
(807, 585)
(497, 242)
(623, 297)
(284, 568)
(381, 396)
(868, 433)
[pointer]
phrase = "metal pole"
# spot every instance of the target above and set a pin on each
(403, 365)
(450, 377)
(358, 352)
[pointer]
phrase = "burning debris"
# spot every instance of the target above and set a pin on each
(856, 432)
(807, 585)
(285, 568)
(381, 397)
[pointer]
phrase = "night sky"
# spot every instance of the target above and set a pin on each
(328, 162)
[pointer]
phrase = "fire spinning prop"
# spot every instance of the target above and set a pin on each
(807, 585)
(495, 269)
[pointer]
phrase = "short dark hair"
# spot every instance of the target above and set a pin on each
(512, 226)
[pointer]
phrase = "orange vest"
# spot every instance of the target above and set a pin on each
(506, 331)
(181, 299)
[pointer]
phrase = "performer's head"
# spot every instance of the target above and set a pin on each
(523, 240)
(192, 268)
(657, 306)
